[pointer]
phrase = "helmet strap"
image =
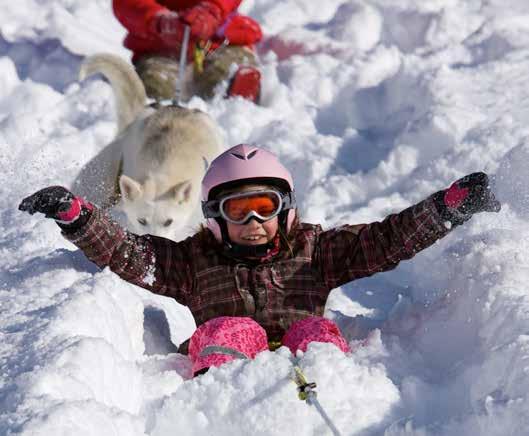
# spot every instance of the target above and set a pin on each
(247, 251)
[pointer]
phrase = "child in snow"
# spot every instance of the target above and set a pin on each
(256, 274)
(217, 31)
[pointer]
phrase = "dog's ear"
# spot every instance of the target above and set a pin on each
(182, 191)
(129, 188)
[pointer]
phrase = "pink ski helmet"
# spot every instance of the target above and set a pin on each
(244, 164)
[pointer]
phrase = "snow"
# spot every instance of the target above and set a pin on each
(372, 105)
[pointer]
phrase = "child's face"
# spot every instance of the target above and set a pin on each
(254, 232)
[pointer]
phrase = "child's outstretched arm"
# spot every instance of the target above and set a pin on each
(349, 252)
(154, 263)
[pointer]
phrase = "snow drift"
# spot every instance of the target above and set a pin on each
(372, 105)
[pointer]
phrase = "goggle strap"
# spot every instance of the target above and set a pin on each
(208, 209)
(289, 201)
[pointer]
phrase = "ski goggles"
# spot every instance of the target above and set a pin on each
(241, 207)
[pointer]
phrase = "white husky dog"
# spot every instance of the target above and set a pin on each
(157, 160)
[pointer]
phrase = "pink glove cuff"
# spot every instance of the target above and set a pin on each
(73, 213)
(455, 195)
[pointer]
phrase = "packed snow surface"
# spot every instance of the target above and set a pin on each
(372, 105)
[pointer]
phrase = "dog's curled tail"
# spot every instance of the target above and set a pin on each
(128, 88)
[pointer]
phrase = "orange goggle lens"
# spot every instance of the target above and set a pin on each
(265, 205)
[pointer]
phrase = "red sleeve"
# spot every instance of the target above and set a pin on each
(135, 14)
(243, 30)
(227, 6)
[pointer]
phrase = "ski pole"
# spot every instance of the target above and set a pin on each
(307, 393)
(182, 65)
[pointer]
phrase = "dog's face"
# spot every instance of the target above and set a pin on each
(160, 215)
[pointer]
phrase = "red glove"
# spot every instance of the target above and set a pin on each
(168, 26)
(204, 19)
(242, 30)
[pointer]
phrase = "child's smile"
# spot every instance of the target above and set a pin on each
(254, 232)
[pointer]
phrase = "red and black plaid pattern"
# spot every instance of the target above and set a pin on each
(289, 287)
(351, 252)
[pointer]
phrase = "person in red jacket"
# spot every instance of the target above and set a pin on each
(217, 31)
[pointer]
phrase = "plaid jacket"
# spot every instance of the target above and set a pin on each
(291, 286)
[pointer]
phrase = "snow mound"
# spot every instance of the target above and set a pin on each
(373, 106)
(512, 180)
(235, 397)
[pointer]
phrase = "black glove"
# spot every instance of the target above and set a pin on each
(56, 202)
(466, 196)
